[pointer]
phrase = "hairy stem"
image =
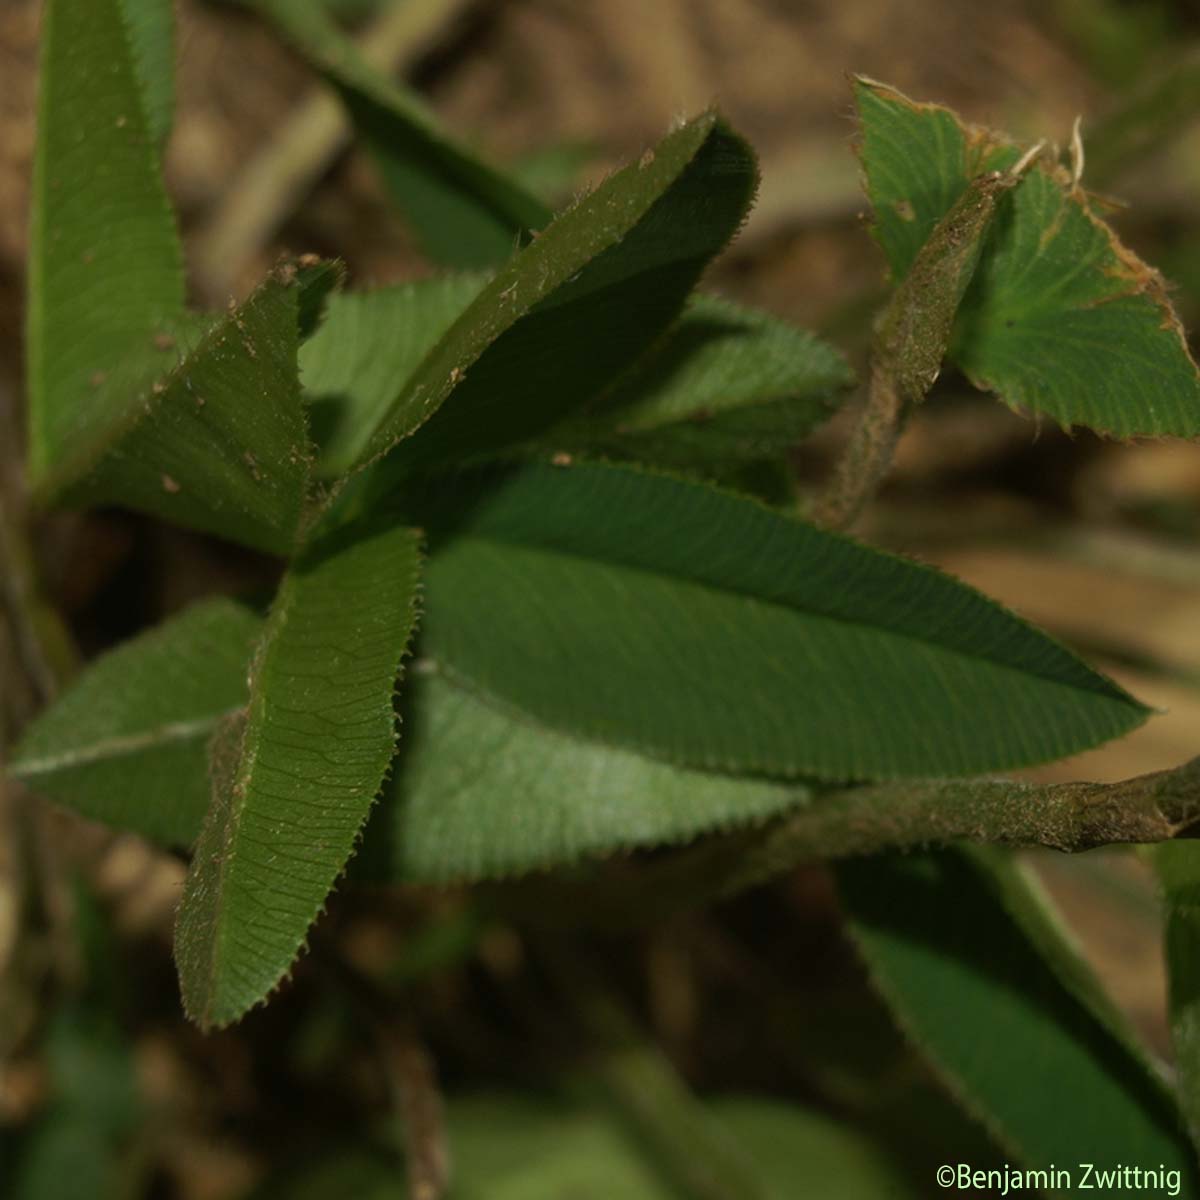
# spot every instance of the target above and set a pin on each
(877, 818)
(911, 341)
(1068, 817)
(868, 455)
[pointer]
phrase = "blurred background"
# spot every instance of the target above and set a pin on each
(1094, 540)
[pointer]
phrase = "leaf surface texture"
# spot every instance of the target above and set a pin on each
(127, 743)
(293, 783)
(1061, 318)
(1048, 1076)
(637, 609)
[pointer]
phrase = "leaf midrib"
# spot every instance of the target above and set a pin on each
(121, 745)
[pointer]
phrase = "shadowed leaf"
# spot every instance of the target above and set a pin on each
(727, 384)
(365, 352)
(1178, 865)
(1035, 1058)
(570, 312)
(548, 1146)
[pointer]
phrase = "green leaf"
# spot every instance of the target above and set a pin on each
(504, 1146)
(727, 384)
(570, 312)
(477, 794)
(151, 28)
(1046, 1073)
(87, 1129)
(674, 618)
(220, 443)
(514, 1146)
(1060, 317)
(800, 1152)
(1178, 866)
(360, 359)
(126, 744)
(291, 794)
(529, 1146)
(547, 1146)
(553, 170)
(366, 1172)
(105, 266)
(465, 213)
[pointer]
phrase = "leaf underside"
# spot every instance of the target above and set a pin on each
(1060, 318)
(126, 744)
(669, 617)
(725, 385)
(293, 790)
(477, 794)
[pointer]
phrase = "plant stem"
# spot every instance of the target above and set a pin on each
(412, 1076)
(419, 1101)
(878, 818)
(912, 338)
(868, 455)
(1069, 817)
(271, 184)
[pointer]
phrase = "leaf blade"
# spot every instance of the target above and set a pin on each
(726, 384)
(568, 314)
(151, 27)
(318, 736)
(367, 348)
(465, 213)
(1060, 318)
(126, 744)
(220, 442)
(479, 795)
(98, 293)
(1043, 1071)
(681, 621)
